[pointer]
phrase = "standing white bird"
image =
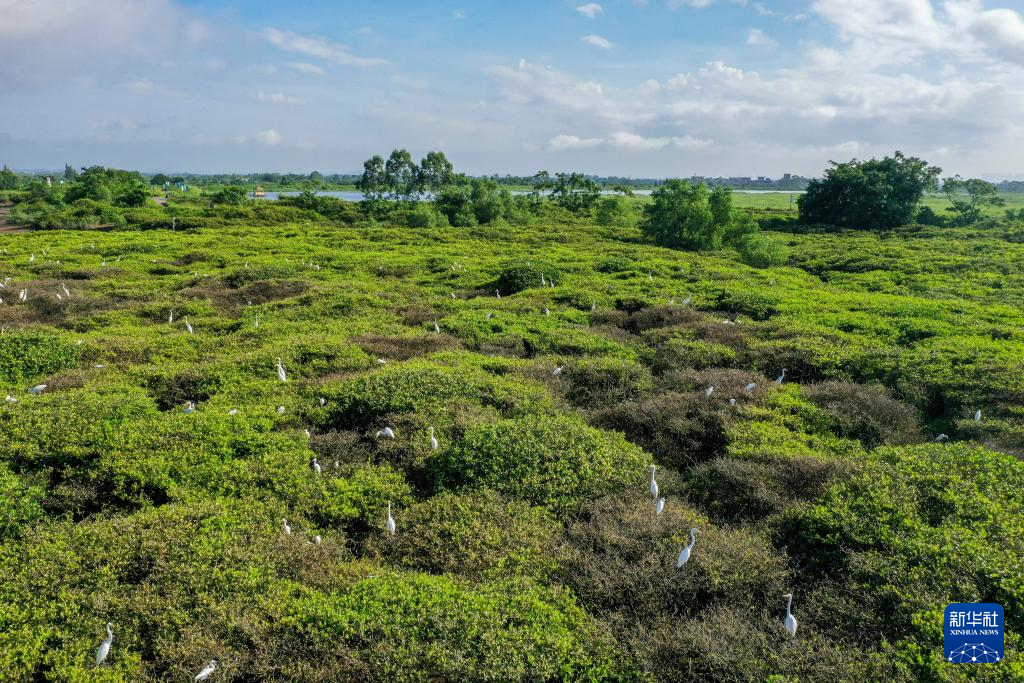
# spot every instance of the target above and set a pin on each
(437, 328)
(256, 322)
(316, 466)
(206, 672)
(732, 401)
(547, 311)
(37, 389)
(317, 540)
(687, 300)
(280, 410)
(790, 619)
(434, 445)
(941, 437)
(170, 317)
(653, 485)
(557, 371)
(386, 433)
(707, 392)
(498, 292)
(750, 387)
(67, 292)
(188, 325)
(543, 282)
(104, 649)
(308, 434)
(684, 554)
(285, 529)
(977, 415)
(281, 375)
(659, 507)
(593, 305)
(233, 411)
(778, 380)
(11, 399)
(190, 408)
(489, 315)
(391, 521)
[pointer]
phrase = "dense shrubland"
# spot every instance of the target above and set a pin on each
(527, 547)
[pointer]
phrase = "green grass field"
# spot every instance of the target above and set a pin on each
(527, 546)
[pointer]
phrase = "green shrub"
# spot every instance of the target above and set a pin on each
(761, 251)
(30, 355)
(554, 461)
(474, 534)
(516, 276)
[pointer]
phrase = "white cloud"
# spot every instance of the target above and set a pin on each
(306, 68)
(597, 41)
(278, 98)
(757, 38)
(315, 46)
(268, 137)
(590, 10)
(459, 14)
(562, 143)
(677, 82)
(1003, 31)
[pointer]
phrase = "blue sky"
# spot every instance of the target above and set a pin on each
(655, 88)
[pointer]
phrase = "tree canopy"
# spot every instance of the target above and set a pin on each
(969, 197)
(880, 193)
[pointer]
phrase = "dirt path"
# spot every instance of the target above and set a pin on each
(5, 228)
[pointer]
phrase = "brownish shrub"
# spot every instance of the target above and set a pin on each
(867, 413)
(404, 348)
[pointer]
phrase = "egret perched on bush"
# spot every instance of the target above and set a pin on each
(659, 507)
(707, 392)
(437, 328)
(285, 529)
(547, 311)
(941, 437)
(778, 380)
(557, 371)
(307, 434)
(434, 445)
(188, 325)
(280, 410)
(104, 649)
(190, 408)
(233, 411)
(391, 521)
(67, 292)
(489, 315)
(732, 401)
(653, 485)
(684, 554)
(281, 375)
(543, 282)
(790, 619)
(316, 466)
(323, 401)
(11, 399)
(170, 317)
(386, 433)
(206, 672)
(977, 415)
(750, 387)
(317, 540)
(593, 305)
(37, 389)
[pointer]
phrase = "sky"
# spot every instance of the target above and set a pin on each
(643, 88)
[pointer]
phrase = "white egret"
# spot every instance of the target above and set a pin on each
(170, 318)
(281, 375)
(437, 328)
(490, 315)
(285, 529)
(558, 370)
(543, 282)
(256, 322)
(750, 387)
(280, 410)
(31, 258)
(188, 325)
(323, 401)
(687, 300)
(652, 487)
(104, 649)
(233, 411)
(498, 292)
(684, 554)
(547, 311)
(37, 389)
(391, 521)
(382, 361)
(99, 366)
(11, 399)
(593, 305)
(316, 466)
(732, 401)
(650, 276)
(386, 433)
(728, 322)
(67, 292)
(659, 507)
(190, 408)
(433, 441)
(206, 672)
(453, 295)
(308, 435)
(977, 415)
(941, 437)
(317, 540)
(790, 619)
(707, 392)
(778, 380)
(59, 297)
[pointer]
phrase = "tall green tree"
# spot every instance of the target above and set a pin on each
(575, 191)
(969, 198)
(682, 215)
(402, 176)
(69, 172)
(880, 193)
(8, 179)
(373, 182)
(435, 172)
